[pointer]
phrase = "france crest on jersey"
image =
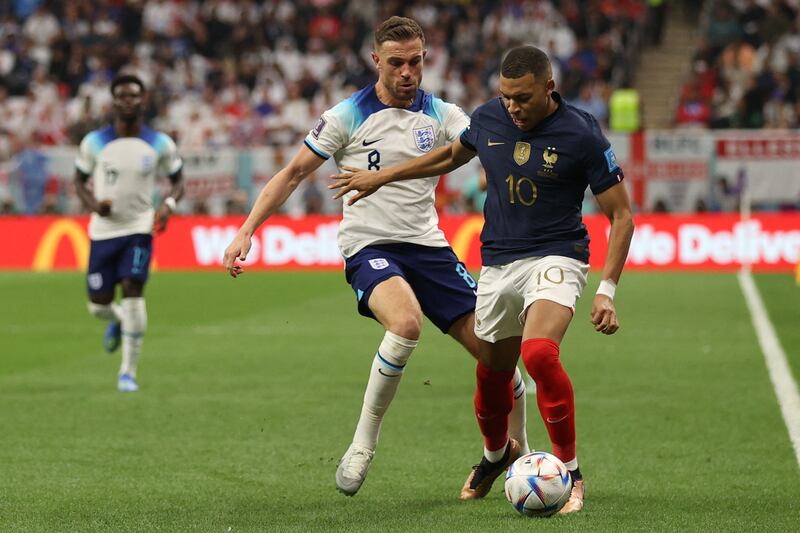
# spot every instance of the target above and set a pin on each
(537, 179)
(363, 132)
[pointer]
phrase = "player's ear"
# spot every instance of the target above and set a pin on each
(550, 86)
(376, 59)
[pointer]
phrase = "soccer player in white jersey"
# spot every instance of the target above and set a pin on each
(123, 161)
(397, 259)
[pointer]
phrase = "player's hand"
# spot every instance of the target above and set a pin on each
(103, 208)
(356, 179)
(604, 315)
(236, 250)
(161, 218)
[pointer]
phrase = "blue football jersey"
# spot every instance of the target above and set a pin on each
(536, 180)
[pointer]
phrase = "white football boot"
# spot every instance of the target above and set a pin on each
(352, 470)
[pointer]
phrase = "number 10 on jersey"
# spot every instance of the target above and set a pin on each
(522, 190)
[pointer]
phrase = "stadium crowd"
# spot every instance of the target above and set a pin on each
(746, 71)
(245, 73)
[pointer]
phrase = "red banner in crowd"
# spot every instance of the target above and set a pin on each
(661, 242)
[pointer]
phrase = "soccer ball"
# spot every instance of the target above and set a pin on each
(538, 484)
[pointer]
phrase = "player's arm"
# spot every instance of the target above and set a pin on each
(437, 162)
(87, 197)
(170, 202)
(272, 196)
(616, 205)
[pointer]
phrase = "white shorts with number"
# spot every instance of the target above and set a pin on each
(505, 292)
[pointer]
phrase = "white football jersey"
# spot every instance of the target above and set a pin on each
(124, 170)
(363, 132)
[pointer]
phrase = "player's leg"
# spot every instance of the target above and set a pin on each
(463, 330)
(133, 271)
(447, 294)
(101, 282)
(498, 328)
(552, 293)
(383, 294)
(493, 403)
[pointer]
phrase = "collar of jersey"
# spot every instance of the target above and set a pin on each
(377, 105)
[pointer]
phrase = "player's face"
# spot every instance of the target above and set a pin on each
(399, 67)
(527, 99)
(128, 101)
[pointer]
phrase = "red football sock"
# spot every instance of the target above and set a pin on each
(553, 394)
(494, 398)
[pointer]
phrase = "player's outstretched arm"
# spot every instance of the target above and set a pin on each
(437, 162)
(272, 196)
(616, 205)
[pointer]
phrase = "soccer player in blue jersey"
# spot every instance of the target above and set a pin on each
(540, 154)
(396, 258)
(122, 161)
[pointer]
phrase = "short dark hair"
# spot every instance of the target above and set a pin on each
(122, 79)
(524, 59)
(398, 29)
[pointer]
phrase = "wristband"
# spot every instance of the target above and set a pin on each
(170, 202)
(607, 288)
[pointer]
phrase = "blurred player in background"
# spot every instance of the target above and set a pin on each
(123, 161)
(540, 154)
(397, 259)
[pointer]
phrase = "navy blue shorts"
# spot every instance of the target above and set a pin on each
(112, 260)
(442, 284)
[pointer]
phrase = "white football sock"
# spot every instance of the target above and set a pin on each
(134, 322)
(572, 465)
(112, 311)
(495, 456)
(516, 419)
(384, 378)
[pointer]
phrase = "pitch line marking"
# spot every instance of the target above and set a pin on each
(779, 372)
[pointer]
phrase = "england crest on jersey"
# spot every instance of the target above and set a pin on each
(424, 138)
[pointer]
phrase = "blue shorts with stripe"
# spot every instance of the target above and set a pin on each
(442, 284)
(112, 260)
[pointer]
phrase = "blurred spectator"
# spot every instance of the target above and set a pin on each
(252, 73)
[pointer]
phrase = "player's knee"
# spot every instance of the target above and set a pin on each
(540, 357)
(396, 349)
(407, 325)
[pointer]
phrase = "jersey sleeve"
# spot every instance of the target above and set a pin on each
(469, 137)
(169, 160)
(455, 122)
(331, 132)
(600, 163)
(86, 158)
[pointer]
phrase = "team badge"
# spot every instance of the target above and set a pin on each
(550, 157)
(148, 165)
(95, 281)
(424, 138)
(378, 264)
(522, 152)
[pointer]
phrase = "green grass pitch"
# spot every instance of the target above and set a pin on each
(250, 390)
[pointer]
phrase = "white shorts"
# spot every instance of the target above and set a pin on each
(505, 292)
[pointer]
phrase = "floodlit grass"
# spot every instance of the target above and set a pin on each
(250, 390)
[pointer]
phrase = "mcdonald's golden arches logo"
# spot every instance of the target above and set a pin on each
(45, 256)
